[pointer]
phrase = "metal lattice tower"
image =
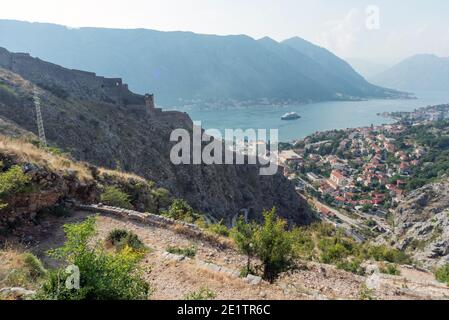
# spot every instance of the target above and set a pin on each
(40, 122)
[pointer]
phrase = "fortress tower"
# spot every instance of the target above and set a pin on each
(150, 106)
(149, 102)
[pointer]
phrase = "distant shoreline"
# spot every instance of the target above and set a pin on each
(242, 104)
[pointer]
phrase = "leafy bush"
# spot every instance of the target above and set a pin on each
(335, 249)
(442, 274)
(181, 210)
(103, 276)
(245, 271)
(384, 253)
(353, 266)
(189, 252)
(121, 239)
(162, 198)
(273, 244)
(303, 244)
(366, 293)
(243, 235)
(391, 269)
(113, 196)
(13, 181)
(34, 266)
(202, 294)
(220, 229)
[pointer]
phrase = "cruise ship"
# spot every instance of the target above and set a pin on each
(291, 116)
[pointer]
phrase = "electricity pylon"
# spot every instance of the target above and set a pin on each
(40, 122)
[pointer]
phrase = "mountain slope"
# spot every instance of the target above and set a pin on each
(422, 224)
(366, 68)
(339, 72)
(100, 121)
(180, 66)
(424, 72)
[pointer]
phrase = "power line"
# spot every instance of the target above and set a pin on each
(40, 122)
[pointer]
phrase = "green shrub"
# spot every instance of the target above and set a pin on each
(34, 266)
(113, 196)
(189, 252)
(120, 239)
(366, 293)
(181, 210)
(202, 294)
(55, 151)
(384, 253)
(442, 274)
(103, 275)
(243, 235)
(220, 229)
(391, 269)
(13, 181)
(245, 271)
(162, 198)
(273, 244)
(303, 244)
(353, 266)
(335, 249)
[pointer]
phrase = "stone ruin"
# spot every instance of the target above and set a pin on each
(79, 84)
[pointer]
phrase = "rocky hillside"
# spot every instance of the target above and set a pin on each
(100, 121)
(422, 224)
(35, 180)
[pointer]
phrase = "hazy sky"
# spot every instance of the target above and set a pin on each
(404, 27)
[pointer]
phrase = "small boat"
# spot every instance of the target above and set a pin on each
(291, 116)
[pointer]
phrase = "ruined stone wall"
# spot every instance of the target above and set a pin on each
(5, 59)
(78, 84)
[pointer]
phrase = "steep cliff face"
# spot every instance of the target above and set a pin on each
(422, 224)
(100, 121)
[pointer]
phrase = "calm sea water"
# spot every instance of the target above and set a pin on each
(315, 117)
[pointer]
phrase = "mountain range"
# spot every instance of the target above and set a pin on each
(183, 67)
(422, 72)
(368, 69)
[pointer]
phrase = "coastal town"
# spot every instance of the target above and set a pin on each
(354, 177)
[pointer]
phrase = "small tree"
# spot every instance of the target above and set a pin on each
(103, 275)
(11, 182)
(243, 235)
(113, 196)
(162, 198)
(273, 244)
(442, 274)
(181, 210)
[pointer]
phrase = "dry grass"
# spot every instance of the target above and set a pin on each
(124, 176)
(213, 239)
(11, 259)
(23, 151)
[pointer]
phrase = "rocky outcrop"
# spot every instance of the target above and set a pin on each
(100, 124)
(422, 224)
(47, 189)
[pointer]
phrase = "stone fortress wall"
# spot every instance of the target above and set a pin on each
(77, 84)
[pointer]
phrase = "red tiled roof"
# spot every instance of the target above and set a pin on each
(338, 174)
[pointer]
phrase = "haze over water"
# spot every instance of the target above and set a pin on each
(315, 117)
